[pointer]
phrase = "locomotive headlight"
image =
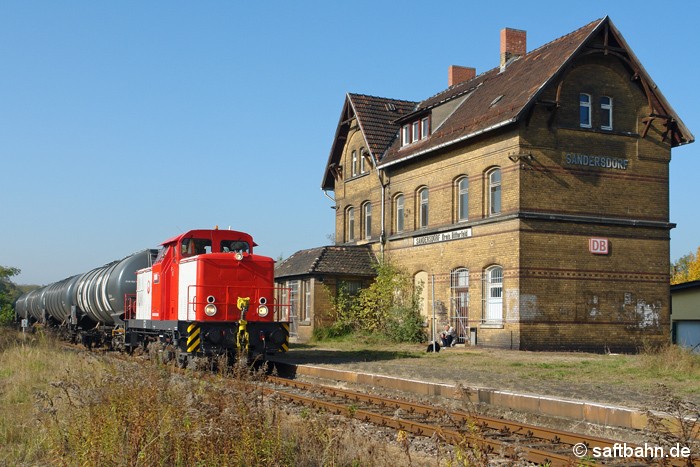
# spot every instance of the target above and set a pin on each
(239, 256)
(210, 309)
(263, 311)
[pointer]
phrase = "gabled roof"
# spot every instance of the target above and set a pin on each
(329, 260)
(375, 117)
(500, 97)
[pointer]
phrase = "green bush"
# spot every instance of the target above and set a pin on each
(389, 307)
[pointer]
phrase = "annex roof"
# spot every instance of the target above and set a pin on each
(329, 260)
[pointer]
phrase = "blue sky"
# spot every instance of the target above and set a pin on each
(124, 123)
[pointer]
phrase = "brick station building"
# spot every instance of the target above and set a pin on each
(530, 201)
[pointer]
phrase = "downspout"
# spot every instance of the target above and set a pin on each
(382, 234)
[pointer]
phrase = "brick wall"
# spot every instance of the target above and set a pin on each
(556, 293)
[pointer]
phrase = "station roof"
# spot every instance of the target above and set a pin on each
(329, 260)
(494, 99)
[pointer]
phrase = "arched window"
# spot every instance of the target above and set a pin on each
(462, 195)
(350, 224)
(493, 295)
(494, 178)
(459, 295)
(367, 219)
(423, 208)
(399, 212)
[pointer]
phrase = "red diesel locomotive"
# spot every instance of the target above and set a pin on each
(204, 294)
(207, 294)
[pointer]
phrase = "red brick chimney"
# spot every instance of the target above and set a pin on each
(513, 43)
(458, 74)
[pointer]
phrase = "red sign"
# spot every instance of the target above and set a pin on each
(599, 246)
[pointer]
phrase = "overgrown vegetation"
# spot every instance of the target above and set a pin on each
(8, 294)
(60, 407)
(686, 268)
(387, 309)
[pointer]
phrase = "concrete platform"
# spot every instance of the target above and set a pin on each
(590, 412)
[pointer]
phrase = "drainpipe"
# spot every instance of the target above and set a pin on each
(382, 234)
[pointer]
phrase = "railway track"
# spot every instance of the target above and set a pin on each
(515, 440)
(493, 436)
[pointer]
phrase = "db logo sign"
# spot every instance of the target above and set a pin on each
(599, 246)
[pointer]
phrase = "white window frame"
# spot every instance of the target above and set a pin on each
(307, 300)
(362, 161)
(425, 128)
(294, 299)
(585, 106)
(400, 212)
(406, 135)
(606, 109)
(423, 207)
(350, 214)
(493, 295)
(354, 163)
(415, 132)
(495, 187)
(367, 215)
(462, 199)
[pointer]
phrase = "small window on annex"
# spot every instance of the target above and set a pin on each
(606, 110)
(585, 110)
(399, 212)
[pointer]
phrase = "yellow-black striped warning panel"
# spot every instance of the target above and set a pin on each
(193, 337)
(285, 346)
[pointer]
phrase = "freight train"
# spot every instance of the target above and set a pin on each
(203, 294)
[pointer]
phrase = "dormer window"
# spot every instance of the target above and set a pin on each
(405, 135)
(415, 131)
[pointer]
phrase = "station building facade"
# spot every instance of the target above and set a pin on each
(531, 201)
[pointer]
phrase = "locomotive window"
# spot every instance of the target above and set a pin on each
(195, 246)
(234, 246)
(161, 254)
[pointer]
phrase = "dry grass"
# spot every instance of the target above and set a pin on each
(61, 407)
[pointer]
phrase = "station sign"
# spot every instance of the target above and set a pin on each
(599, 246)
(442, 237)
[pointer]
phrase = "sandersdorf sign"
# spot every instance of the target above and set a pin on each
(442, 237)
(604, 162)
